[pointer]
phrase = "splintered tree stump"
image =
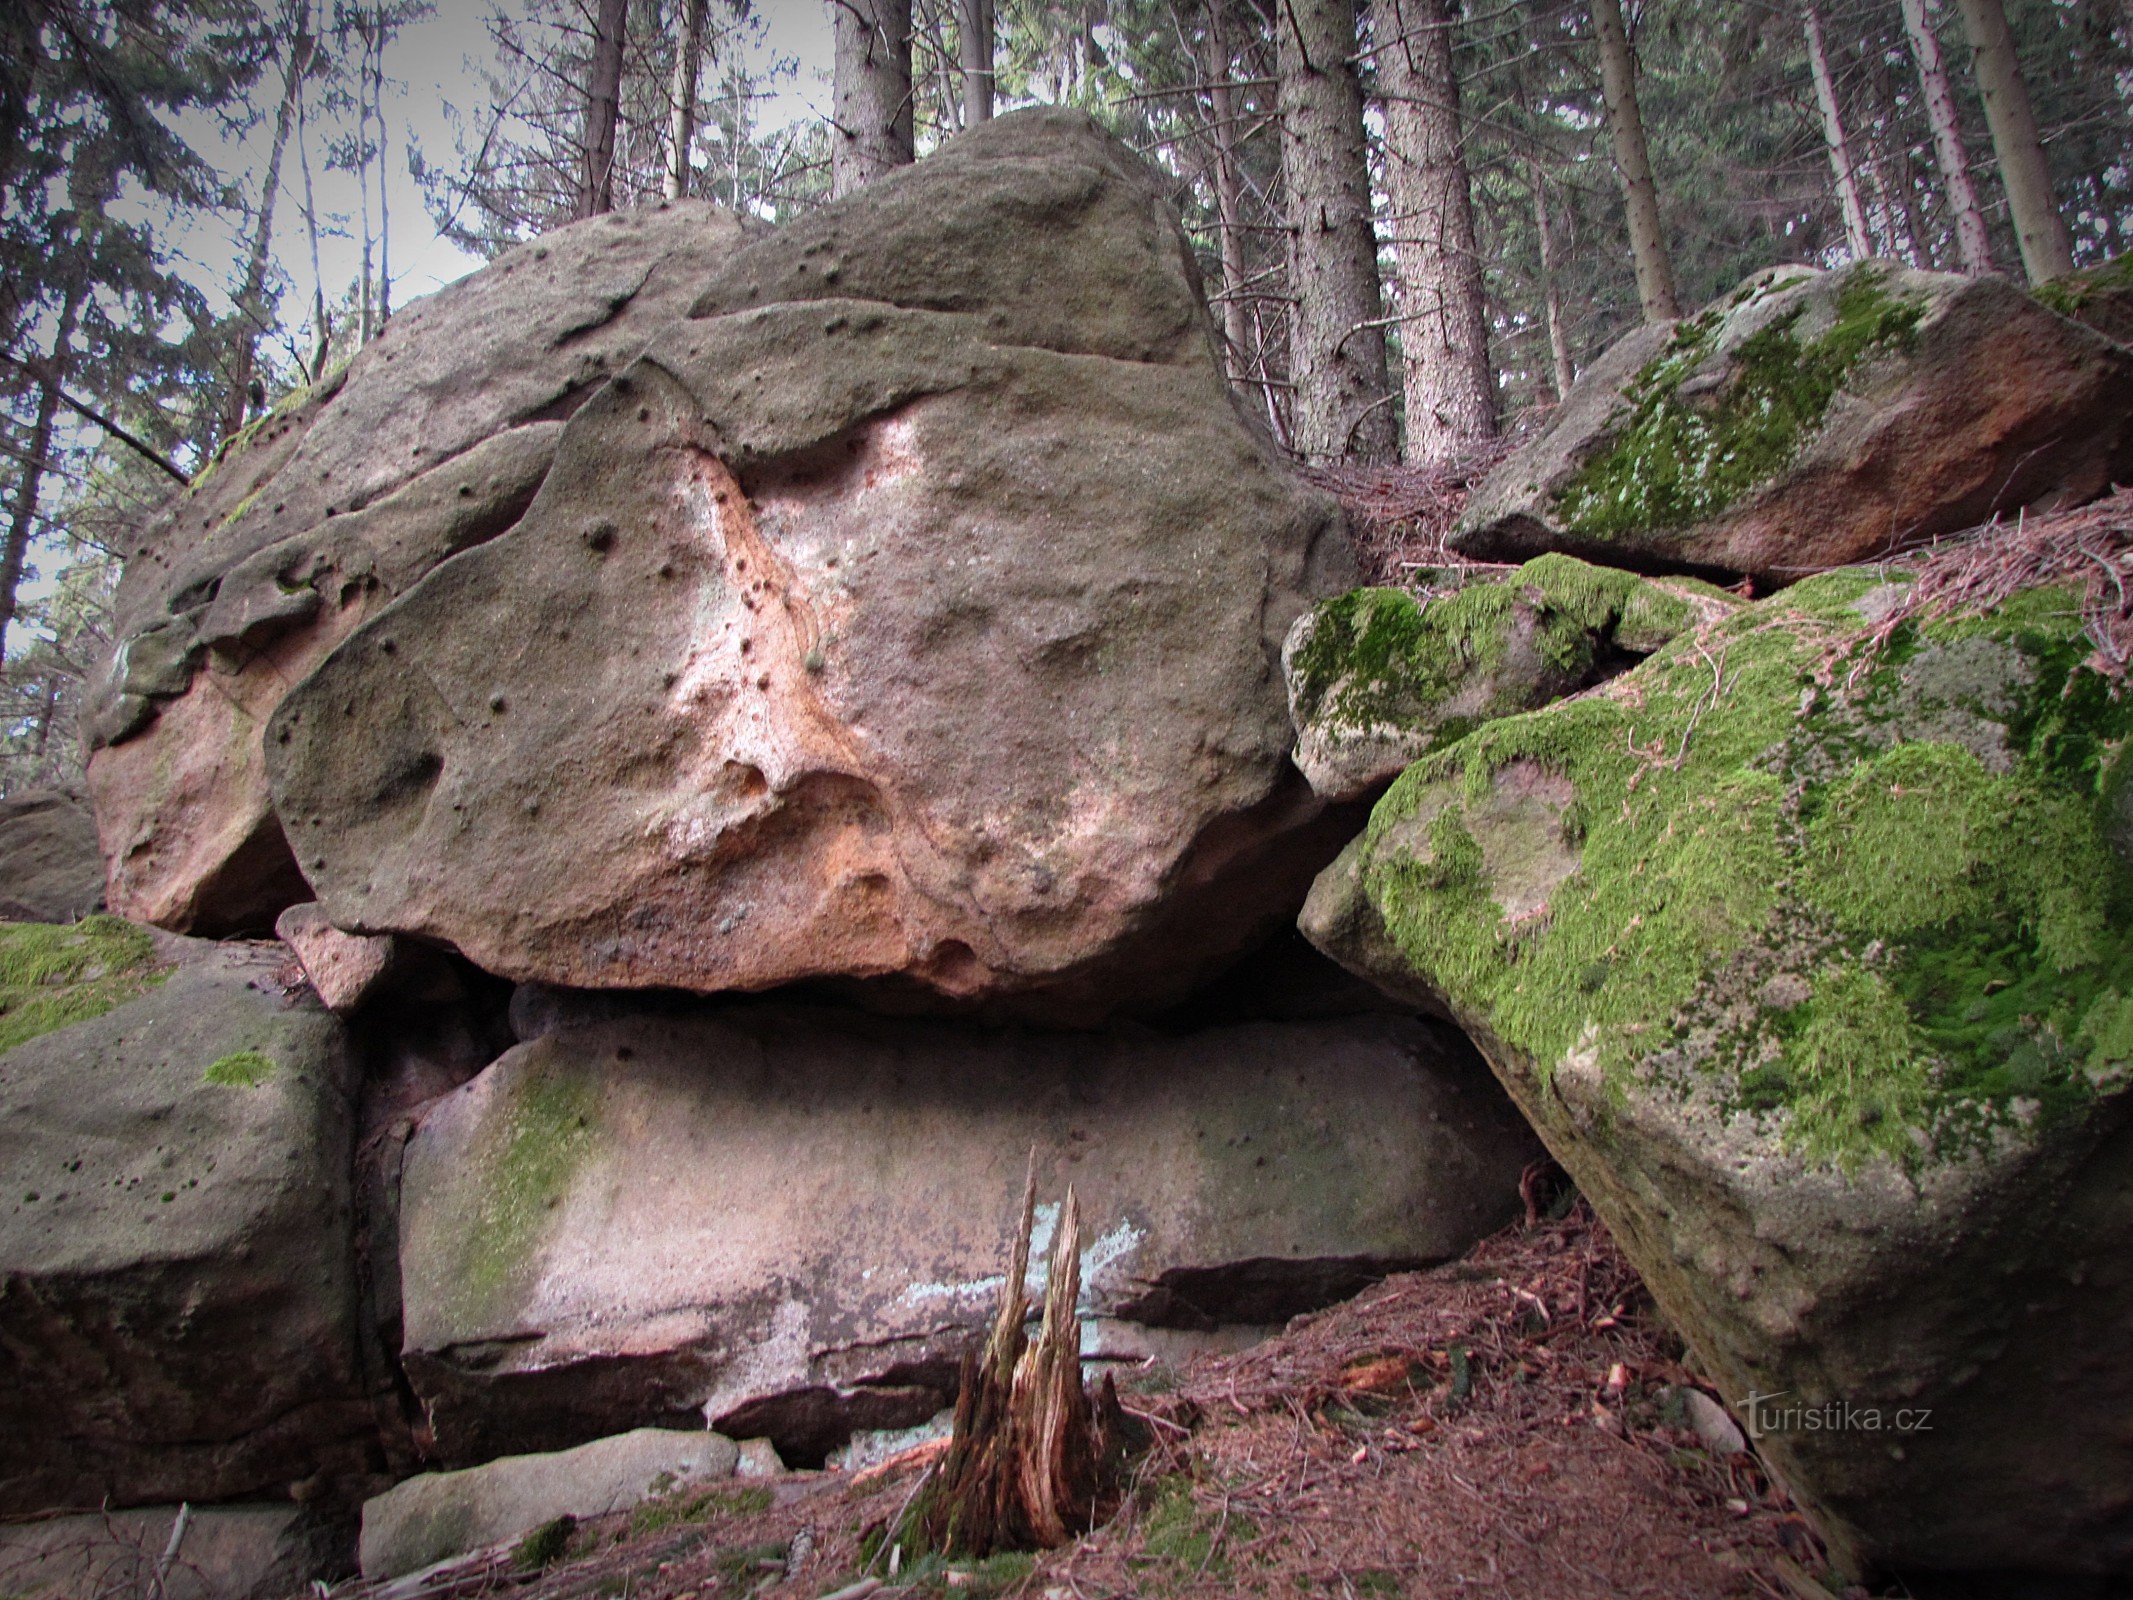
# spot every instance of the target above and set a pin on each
(1034, 1459)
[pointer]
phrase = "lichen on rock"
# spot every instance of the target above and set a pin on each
(53, 975)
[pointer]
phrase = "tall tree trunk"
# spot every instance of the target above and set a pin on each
(364, 327)
(252, 293)
(1337, 353)
(603, 105)
(1633, 164)
(385, 226)
(681, 98)
(2046, 251)
(1229, 191)
(1443, 308)
(1971, 245)
(1856, 238)
(29, 488)
(1564, 370)
(974, 45)
(870, 134)
(321, 330)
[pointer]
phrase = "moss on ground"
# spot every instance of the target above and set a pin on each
(241, 1069)
(1675, 462)
(1782, 896)
(2069, 294)
(1377, 657)
(54, 975)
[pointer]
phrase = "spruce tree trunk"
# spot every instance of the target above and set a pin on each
(252, 293)
(1229, 191)
(1633, 165)
(2041, 230)
(29, 488)
(603, 105)
(1856, 238)
(1972, 248)
(681, 98)
(1443, 308)
(1343, 408)
(1564, 369)
(974, 51)
(871, 132)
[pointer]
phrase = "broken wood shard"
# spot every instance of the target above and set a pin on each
(1031, 1462)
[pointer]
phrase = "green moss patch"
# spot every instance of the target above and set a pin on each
(2069, 294)
(1381, 656)
(1780, 895)
(521, 1170)
(54, 975)
(1676, 462)
(242, 1069)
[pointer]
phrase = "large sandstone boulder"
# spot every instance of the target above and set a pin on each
(1812, 419)
(433, 439)
(178, 1302)
(50, 868)
(437, 1515)
(1814, 965)
(790, 1221)
(1378, 678)
(912, 611)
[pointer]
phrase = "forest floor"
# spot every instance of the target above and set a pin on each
(1510, 1424)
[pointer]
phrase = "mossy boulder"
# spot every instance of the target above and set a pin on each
(1811, 419)
(53, 975)
(1813, 963)
(1379, 677)
(178, 1303)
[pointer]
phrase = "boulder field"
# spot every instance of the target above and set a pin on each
(748, 738)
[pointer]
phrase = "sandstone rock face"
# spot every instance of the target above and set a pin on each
(255, 1552)
(1379, 677)
(1813, 966)
(1813, 419)
(50, 869)
(343, 968)
(438, 1515)
(177, 1273)
(790, 1220)
(433, 440)
(910, 612)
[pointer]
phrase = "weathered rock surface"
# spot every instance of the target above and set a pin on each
(789, 1220)
(343, 969)
(50, 868)
(1380, 677)
(177, 1273)
(438, 1515)
(256, 1552)
(2100, 297)
(1814, 969)
(1813, 419)
(434, 439)
(911, 612)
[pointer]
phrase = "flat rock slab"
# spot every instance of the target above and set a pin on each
(177, 1274)
(868, 628)
(433, 440)
(256, 1552)
(1809, 420)
(438, 1515)
(791, 1220)
(50, 867)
